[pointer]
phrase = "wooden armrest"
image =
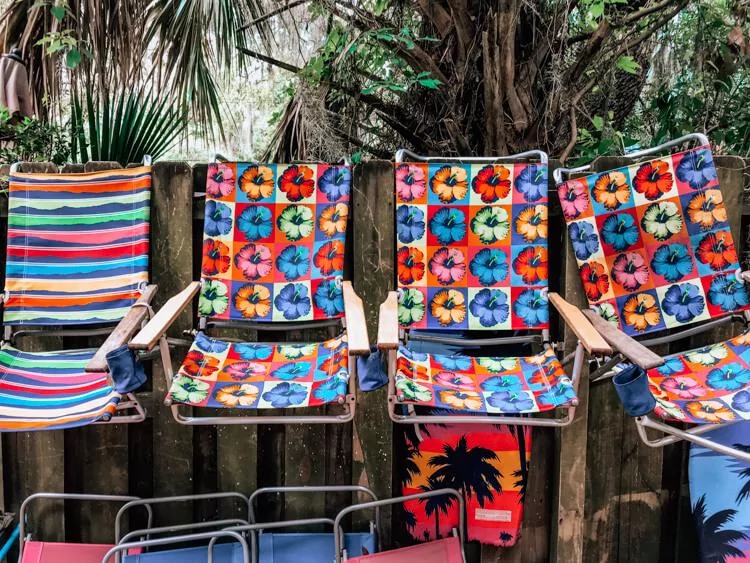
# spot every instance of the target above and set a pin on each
(633, 350)
(124, 331)
(162, 320)
(388, 323)
(356, 327)
(587, 335)
(745, 276)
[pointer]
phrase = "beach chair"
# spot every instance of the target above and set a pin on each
(658, 264)
(273, 260)
(76, 265)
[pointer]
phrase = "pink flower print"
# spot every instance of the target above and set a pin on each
(574, 198)
(241, 371)
(448, 265)
(630, 271)
(454, 381)
(410, 182)
(683, 387)
(254, 260)
(220, 181)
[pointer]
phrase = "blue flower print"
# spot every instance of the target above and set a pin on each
(731, 377)
(584, 239)
(409, 223)
(490, 266)
(253, 351)
(292, 371)
(510, 383)
(285, 395)
(672, 262)
(561, 393)
(670, 366)
(335, 183)
(331, 389)
(255, 222)
(448, 225)
(330, 298)
(293, 262)
(490, 307)
(532, 307)
(511, 402)
(218, 220)
(532, 182)
(683, 302)
(620, 231)
(696, 168)
(452, 363)
(293, 301)
(741, 401)
(412, 355)
(727, 293)
(210, 345)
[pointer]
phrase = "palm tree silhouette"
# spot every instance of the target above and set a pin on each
(410, 519)
(716, 543)
(522, 474)
(437, 504)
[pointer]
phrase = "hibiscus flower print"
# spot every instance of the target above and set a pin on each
(731, 377)
(696, 168)
(595, 280)
(255, 222)
(334, 363)
(297, 182)
(335, 182)
(531, 223)
(218, 218)
(293, 301)
(670, 366)
(706, 208)
(210, 345)
(254, 261)
(531, 264)
(410, 265)
(620, 231)
(452, 363)
(449, 183)
(562, 393)
(630, 271)
(607, 312)
(293, 262)
(511, 383)
(490, 306)
(248, 351)
(253, 301)
(411, 307)
(198, 364)
(292, 371)
(741, 401)
(220, 180)
(532, 307)
(653, 179)
(492, 183)
(213, 299)
(241, 395)
(716, 250)
(333, 219)
(241, 371)
(329, 258)
(188, 390)
(296, 351)
(728, 293)
(490, 266)
(584, 239)
(454, 381)
(672, 262)
(497, 365)
(461, 400)
(641, 312)
(409, 390)
(329, 298)
(331, 389)
(711, 411)
(296, 222)
(257, 182)
(411, 183)
(682, 387)
(215, 257)
(448, 225)
(448, 265)
(448, 307)
(662, 220)
(285, 395)
(532, 182)
(683, 302)
(611, 190)
(708, 355)
(511, 402)
(491, 224)
(410, 223)
(574, 198)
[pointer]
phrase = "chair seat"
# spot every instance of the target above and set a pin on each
(223, 374)
(447, 550)
(51, 390)
(484, 384)
(54, 552)
(223, 553)
(310, 547)
(709, 385)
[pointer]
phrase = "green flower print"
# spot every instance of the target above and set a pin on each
(294, 351)
(189, 390)
(296, 222)
(413, 391)
(662, 220)
(214, 299)
(411, 307)
(490, 224)
(498, 365)
(708, 356)
(608, 313)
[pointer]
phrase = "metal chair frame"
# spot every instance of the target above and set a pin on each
(119, 548)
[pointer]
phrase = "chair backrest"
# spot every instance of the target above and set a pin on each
(274, 237)
(77, 246)
(446, 550)
(652, 242)
(472, 245)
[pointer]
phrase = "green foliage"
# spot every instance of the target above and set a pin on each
(31, 140)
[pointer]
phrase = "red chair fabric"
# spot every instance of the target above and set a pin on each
(447, 550)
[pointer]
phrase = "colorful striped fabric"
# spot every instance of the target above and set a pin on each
(51, 390)
(77, 246)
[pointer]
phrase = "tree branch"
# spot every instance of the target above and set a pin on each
(439, 17)
(270, 60)
(272, 13)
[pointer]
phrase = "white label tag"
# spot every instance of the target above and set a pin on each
(493, 515)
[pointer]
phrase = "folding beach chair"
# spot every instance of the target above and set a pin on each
(655, 253)
(76, 265)
(273, 259)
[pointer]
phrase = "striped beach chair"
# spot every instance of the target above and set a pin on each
(76, 265)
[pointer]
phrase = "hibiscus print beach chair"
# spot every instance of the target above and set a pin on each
(658, 263)
(273, 258)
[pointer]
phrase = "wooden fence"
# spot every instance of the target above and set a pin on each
(595, 492)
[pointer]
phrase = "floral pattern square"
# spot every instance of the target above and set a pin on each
(652, 242)
(221, 374)
(273, 241)
(472, 246)
(492, 385)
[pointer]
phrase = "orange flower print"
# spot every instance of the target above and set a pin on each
(717, 250)
(706, 208)
(330, 257)
(297, 182)
(243, 395)
(448, 306)
(653, 179)
(531, 264)
(253, 300)
(461, 400)
(710, 411)
(492, 183)
(333, 219)
(198, 364)
(611, 190)
(449, 183)
(215, 257)
(595, 280)
(410, 265)
(335, 363)
(257, 182)
(640, 311)
(531, 223)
